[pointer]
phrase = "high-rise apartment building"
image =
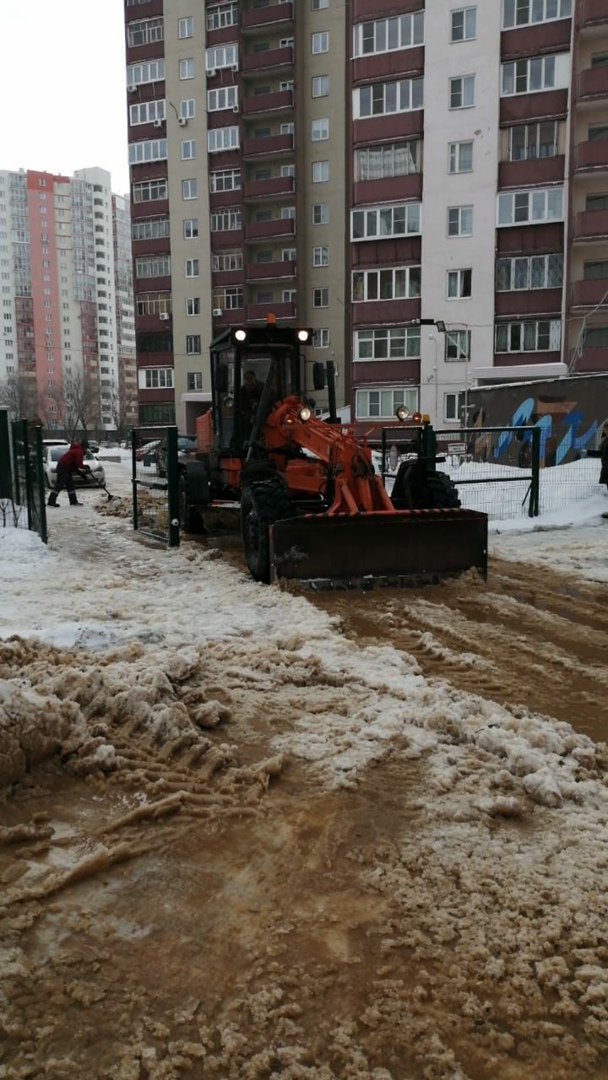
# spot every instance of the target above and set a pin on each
(67, 344)
(424, 184)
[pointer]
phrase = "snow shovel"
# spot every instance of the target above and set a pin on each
(98, 484)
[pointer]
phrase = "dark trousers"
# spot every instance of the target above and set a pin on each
(65, 482)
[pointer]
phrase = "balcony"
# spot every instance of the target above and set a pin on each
(531, 171)
(544, 104)
(593, 358)
(522, 303)
(593, 83)
(276, 187)
(262, 104)
(229, 316)
(594, 12)
(375, 9)
(532, 40)
(389, 126)
(591, 225)
(588, 294)
(267, 60)
(385, 312)
(268, 147)
(273, 271)
(259, 312)
(275, 17)
(399, 62)
(592, 154)
(390, 189)
(268, 230)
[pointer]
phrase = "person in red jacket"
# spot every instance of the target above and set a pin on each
(70, 462)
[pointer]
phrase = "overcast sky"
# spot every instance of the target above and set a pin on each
(62, 87)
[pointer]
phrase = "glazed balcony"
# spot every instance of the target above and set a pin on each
(269, 60)
(594, 12)
(385, 312)
(402, 63)
(279, 102)
(545, 103)
(532, 40)
(592, 154)
(259, 312)
(273, 271)
(593, 83)
(268, 230)
(391, 189)
(591, 225)
(274, 188)
(523, 303)
(154, 9)
(274, 17)
(268, 147)
(589, 294)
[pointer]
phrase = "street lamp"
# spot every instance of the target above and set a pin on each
(462, 354)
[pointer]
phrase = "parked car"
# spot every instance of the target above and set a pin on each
(185, 445)
(55, 442)
(147, 453)
(50, 457)
(93, 446)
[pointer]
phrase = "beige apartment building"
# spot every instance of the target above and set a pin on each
(425, 185)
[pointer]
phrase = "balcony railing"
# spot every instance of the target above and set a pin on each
(269, 189)
(594, 11)
(269, 146)
(588, 294)
(267, 60)
(263, 18)
(280, 101)
(266, 230)
(256, 312)
(591, 225)
(271, 271)
(592, 154)
(593, 83)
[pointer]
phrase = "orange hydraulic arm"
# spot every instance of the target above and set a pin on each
(339, 457)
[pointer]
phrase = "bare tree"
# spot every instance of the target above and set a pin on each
(76, 404)
(18, 393)
(124, 410)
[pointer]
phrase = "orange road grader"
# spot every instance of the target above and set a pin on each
(312, 506)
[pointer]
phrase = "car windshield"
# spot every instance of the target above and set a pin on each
(55, 452)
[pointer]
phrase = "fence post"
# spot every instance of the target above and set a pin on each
(134, 475)
(535, 483)
(6, 485)
(40, 485)
(384, 455)
(172, 487)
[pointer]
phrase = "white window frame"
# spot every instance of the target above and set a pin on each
(321, 294)
(224, 138)
(222, 56)
(146, 112)
(192, 268)
(224, 97)
(453, 405)
(155, 378)
(225, 180)
(158, 189)
(193, 306)
(389, 35)
(390, 283)
(459, 284)
(463, 218)
(455, 155)
(148, 71)
(190, 229)
(531, 206)
(219, 16)
(535, 75)
(185, 27)
(230, 298)
(387, 343)
(323, 209)
(226, 221)
(187, 108)
(145, 32)
(320, 172)
(467, 92)
(225, 261)
(388, 157)
(194, 345)
(319, 42)
(457, 346)
(377, 222)
(147, 150)
(188, 149)
(319, 86)
(186, 68)
(190, 189)
(514, 8)
(536, 144)
(320, 255)
(524, 330)
(468, 26)
(319, 129)
(387, 98)
(320, 338)
(388, 398)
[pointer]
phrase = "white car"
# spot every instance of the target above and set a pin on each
(50, 457)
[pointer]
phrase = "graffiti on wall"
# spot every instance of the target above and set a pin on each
(564, 430)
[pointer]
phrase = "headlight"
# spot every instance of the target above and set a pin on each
(240, 335)
(303, 335)
(304, 413)
(402, 412)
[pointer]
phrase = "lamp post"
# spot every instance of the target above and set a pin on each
(461, 353)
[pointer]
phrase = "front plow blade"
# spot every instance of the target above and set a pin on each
(404, 548)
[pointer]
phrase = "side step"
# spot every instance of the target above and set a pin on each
(407, 547)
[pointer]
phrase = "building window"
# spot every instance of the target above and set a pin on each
(194, 380)
(144, 32)
(147, 72)
(462, 92)
(226, 221)
(396, 283)
(221, 15)
(147, 150)
(537, 73)
(319, 130)
(225, 180)
(188, 149)
(190, 189)
(186, 69)
(227, 260)
(320, 255)
(386, 35)
(320, 43)
(459, 284)
(453, 406)
(229, 299)
(595, 270)
(543, 335)
(187, 109)
(460, 157)
(320, 338)
(193, 305)
(150, 228)
(222, 56)
(192, 268)
(383, 404)
(530, 207)
(524, 12)
(185, 28)
(320, 213)
(193, 344)
(460, 221)
(457, 345)
(463, 24)
(219, 139)
(156, 378)
(391, 159)
(320, 298)
(528, 142)
(384, 98)
(396, 343)
(318, 5)
(320, 172)
(376, 222)
(225, 97)
(190, 228)
(147, 112)
(530, 272)
(289, 296)
(320, 86)
(153, 266)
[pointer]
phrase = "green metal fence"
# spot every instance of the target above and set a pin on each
(155, 496)
(24, 504)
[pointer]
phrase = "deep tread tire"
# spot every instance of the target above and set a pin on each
(440, 492)
(415, 488)
(262, 503)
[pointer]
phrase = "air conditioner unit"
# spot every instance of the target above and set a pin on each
(235, 108)
(217, 311)
(182, 121)
(234, 67)
(157, 123)
(132, 89)
(211, 72)
(164, 315)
